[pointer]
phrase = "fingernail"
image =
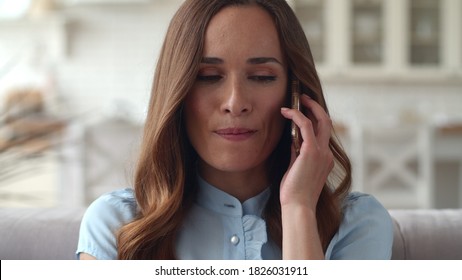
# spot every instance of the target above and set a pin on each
(284, 109)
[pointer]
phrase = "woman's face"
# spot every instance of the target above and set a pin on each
(232, 114)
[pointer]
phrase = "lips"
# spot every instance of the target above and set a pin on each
(235, 133)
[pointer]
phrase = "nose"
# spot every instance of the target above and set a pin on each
(236, 101)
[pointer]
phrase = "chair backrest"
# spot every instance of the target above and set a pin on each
(394, 163)
(98, 158)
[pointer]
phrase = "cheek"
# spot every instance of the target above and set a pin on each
(273, 117)
(276, 124)
(274, 104)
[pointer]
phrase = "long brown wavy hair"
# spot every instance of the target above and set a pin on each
(165, 178)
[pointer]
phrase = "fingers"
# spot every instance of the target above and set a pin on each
(305, 125)
(322, 122)
(314, 128)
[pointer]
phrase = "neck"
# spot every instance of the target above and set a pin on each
(240, 184)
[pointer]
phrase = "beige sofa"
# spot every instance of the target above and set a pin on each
(52, 233)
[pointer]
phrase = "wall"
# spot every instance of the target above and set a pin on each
(108, 56)
(110, 53)
(98, 60)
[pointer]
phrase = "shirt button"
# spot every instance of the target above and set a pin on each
(234, 240)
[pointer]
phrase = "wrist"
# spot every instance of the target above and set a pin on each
(298, 210)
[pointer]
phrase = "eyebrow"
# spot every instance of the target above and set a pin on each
(212, 60)
(263, 60)
(253, 60)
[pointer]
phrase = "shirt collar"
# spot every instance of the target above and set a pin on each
(221, 202)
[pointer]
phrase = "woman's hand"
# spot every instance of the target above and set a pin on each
(302, 184)
(308, 172)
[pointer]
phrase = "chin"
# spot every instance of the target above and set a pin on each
(235, 164)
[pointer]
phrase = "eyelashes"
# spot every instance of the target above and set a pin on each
(209, 78)
(263, 78)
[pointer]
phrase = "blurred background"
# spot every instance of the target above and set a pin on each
(75, 78)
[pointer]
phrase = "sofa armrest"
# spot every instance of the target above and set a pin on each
(33, 234)
(427, 234)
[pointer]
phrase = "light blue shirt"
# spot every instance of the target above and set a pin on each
(219, 226)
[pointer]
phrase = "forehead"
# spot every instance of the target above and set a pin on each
(244, 30)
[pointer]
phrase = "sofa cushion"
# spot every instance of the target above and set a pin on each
(427, 234)
(35, 234)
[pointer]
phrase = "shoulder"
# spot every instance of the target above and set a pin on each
(364, 211)
(366, 230)
(102, 220)
(358, 205)
(116, 204)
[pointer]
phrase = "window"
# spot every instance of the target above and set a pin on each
(367, 32)
(311, 16)
(425, 32)
(11, 9)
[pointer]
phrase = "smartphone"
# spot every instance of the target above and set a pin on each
(295, 131)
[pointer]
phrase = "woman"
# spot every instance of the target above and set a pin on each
(218, 176)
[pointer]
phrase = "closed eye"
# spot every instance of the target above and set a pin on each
(209, 78)
(263, 78)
